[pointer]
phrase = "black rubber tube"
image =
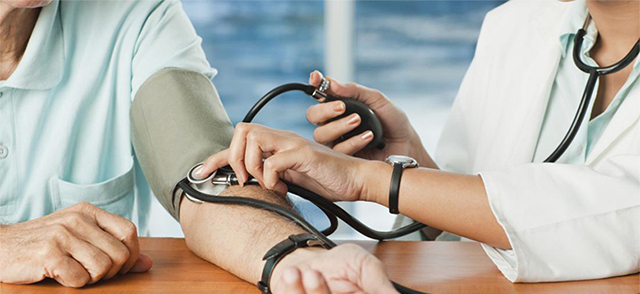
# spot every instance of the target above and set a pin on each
(594, 74)
(307, 89)
(577, 120)
(231, 200)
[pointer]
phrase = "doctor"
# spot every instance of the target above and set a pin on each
(571, 220)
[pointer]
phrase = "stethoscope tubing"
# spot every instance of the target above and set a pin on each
(333, 211)
(184, 184)
(577, 120)
(594, 74)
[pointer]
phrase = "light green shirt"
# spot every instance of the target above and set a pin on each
(64, 112)
(566, 94)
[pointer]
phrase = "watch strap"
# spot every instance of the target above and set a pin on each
(279, 251)
(394, 188)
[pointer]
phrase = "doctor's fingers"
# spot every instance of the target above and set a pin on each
(337, 89)
(330, 132)
(354, 144)
(266, 144)
(237, 149)
(281, 162)
(214, 162)
(319, 114)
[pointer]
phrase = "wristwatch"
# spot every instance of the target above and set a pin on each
(399, 163)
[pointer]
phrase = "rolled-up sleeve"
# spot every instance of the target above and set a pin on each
(564, 222)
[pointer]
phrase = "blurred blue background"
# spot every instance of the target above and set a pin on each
(416, 52)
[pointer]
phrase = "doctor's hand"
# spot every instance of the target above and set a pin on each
(288, 156)
(399, 135)
(75, 246)
(345, 269)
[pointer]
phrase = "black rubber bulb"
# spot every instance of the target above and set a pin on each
(369, 121)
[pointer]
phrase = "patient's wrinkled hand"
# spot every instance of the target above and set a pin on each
(75, 246)
(347, 268)
(288, 156)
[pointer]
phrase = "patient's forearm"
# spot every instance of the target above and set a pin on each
(235, 237)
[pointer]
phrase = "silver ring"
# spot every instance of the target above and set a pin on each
(324, 86)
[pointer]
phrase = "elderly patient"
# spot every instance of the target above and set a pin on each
(69, 179)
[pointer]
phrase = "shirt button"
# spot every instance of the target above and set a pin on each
(4, 152)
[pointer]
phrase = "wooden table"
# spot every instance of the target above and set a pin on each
(434, 267)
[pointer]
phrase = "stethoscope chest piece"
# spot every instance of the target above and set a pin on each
(203, 184)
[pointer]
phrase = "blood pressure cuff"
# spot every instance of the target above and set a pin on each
(177, 120)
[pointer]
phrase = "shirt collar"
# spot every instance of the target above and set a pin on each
(42, 64)
(576, 16)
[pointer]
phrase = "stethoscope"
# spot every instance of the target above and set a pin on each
(205, 189)
(594, 74)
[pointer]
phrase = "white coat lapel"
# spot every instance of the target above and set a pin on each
(625, 116)
(540, 77)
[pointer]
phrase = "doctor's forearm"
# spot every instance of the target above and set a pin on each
(418, 152)
(451, 202)
(236, 238)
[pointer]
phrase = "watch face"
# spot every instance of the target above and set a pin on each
(406, 161)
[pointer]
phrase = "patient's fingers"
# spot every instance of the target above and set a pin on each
(293, 281)
(314, 282)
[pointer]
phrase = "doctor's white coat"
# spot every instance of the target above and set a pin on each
(564, 222)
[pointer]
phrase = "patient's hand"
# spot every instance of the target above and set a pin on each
(347, 268)
(76, 246)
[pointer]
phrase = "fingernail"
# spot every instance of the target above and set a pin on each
(339, 107)
(368, 135)
(199, 170)
(354, 119)
(291, 276)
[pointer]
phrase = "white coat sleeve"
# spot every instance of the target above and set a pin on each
(564, 222)
(567, 222)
